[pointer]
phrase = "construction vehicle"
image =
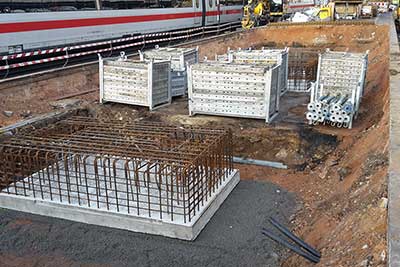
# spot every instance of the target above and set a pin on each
(337, 10)
(348, 9)
(261, 12)
(369, 11)
(326, 13)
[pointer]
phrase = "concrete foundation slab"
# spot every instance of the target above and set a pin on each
(123, 220)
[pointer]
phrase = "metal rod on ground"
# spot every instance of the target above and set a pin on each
(76, 94)
(264, 163)
(296, 239)
(292, 247)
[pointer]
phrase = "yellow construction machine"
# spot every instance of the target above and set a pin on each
(325, 13)
(261, 12)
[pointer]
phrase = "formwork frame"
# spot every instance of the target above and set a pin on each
(127, 90)
(341, 74)
(228, 83)
(179, 58)
(279, 57)
(147, 170)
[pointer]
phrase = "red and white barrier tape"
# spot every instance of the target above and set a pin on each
(69, 48)
(69, 55)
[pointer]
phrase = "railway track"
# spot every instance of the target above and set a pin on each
(41, 61)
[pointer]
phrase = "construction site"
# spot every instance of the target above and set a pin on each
(211, 151)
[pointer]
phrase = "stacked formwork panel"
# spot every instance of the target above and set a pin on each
(279, 57)
(180, 58)
(232, 89)
(135, 82)
(337, 92)
(143, 177)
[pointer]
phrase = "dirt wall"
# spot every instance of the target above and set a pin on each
(34, 95)
(30, 96)
(344, 214)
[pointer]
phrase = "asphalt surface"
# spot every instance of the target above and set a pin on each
(231, 238)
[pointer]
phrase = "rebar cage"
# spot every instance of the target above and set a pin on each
(303, 64)
(143, 169)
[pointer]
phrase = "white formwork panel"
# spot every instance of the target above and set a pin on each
(341, 73)
(264, 56)
(134, 82)
(222, 58)
(232, 89)
(180, 58)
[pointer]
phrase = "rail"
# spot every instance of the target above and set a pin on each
(24, 60)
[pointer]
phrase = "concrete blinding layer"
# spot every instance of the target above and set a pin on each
(336, 94)
(143, 177)
(279, 57)
(231, 89)
(179, 58)
(134, 82)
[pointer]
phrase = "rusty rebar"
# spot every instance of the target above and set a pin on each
(302, 69)
(146, 169)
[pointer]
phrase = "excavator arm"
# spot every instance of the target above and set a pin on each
(255, 13)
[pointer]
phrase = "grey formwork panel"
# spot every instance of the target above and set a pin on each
(134, 82)
(179, 58)
(232, 89)
(178, 83)
(263, 56)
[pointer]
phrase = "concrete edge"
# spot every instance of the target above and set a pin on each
(393, 234)
(215, 204)
(46, 117)
(123, 221)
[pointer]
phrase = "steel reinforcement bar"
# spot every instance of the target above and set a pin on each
(145, 169)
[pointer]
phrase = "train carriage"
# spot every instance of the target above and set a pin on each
(35, 24)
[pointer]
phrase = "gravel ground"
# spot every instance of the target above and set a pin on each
(231, 238)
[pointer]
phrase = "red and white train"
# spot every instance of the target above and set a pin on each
(36, 24)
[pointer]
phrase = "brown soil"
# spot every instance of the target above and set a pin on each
(339, 174)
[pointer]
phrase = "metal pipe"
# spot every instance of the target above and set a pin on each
(264, 163)
(309, 116)
(290, 246)
(310, 106)
(295, 238)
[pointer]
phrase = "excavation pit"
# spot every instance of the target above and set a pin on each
(142, 177)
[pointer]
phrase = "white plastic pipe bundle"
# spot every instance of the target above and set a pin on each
(335, 110)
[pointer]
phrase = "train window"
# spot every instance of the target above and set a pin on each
(32, 6)
(183, 3)
(210, 3)
(230, 2)
(133, 4)
(197, 3)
